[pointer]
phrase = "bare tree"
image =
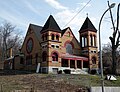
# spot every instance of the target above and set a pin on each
(8, 38)
(0, 46)
(107, 57)
(114, 38)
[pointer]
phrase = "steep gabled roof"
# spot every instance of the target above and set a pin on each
(36, 30)
(87, 25)
(64, 30)
(51, 24)
(36, 27)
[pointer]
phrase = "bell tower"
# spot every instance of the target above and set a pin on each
(51, 46)
(88, 43)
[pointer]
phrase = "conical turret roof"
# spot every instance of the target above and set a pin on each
(87, 25)
(51, 24)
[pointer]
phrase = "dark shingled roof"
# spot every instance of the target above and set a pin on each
(51, 24)
(64, 30)
(36, 30)
(87, 25)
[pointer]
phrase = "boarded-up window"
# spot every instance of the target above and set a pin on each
(44, 57)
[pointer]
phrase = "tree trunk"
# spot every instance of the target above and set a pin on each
(113, 60)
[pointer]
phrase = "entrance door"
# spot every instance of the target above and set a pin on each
(72, 63)
(78, 64)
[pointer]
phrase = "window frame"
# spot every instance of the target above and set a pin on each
(43, 37)
(57, 37)
(44, 57)
(54, 57)
(71, 48)
(94, 60)
(46, 36)
(53, 37)
(21, 60)
(29, 60)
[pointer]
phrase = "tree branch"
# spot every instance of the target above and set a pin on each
(117, 17)
(114, 33)
(117, 41)
(111, 39)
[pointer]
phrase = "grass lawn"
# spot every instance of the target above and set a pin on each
(90, 80)
(51, 82)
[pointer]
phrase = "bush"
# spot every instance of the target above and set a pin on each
(93, 71)
(60, 72)
(67, 71)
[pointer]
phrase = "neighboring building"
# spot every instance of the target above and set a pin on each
(57, 49)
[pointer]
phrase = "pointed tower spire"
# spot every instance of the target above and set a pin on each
(87, 14)
(88, 42)
(87, 25)
(51, 24)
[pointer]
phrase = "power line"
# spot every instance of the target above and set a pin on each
(78, 12)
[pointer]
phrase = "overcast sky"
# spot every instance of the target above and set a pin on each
(23, 12)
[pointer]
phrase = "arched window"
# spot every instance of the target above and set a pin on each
(83, 42)
(69, 48)
(91, 40)
(94, 40)
(52, 36)
(57, 37)
(93, 60)
(44, 57)
(45, 36)
(54, 56)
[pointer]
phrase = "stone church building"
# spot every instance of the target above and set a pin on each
(55, 49)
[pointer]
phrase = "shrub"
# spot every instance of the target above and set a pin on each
(67, 71)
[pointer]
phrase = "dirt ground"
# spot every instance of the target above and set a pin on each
(39, 83)
(24, 81)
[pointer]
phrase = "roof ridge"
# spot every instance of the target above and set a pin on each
(34, 25)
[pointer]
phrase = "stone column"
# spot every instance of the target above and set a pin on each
(95, 41)
(88, 40)
(81, 64)
(68, 62)
(75, 64)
